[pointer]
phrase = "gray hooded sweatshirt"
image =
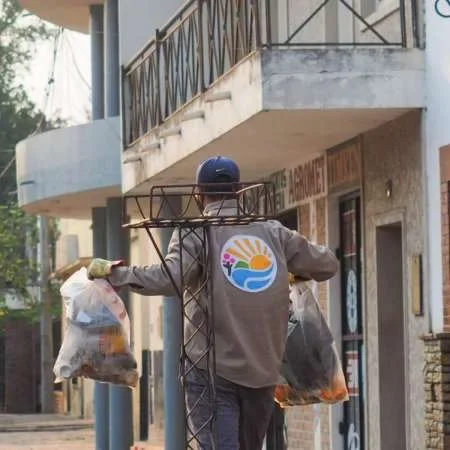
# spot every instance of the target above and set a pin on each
(249, 267)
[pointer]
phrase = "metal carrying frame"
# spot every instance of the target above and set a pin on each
(252, 202)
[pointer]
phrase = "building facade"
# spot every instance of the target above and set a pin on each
(344, 109)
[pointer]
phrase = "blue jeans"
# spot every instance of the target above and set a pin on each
(242, 414)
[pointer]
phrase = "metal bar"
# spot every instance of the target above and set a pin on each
(157, 99)
(268, 24)
(120, 400)
(364, 21)
(336, 44)
(257, 21)
(101, 390)
(196, 228)
(403, 23)
(123, 85)
(174, 415)
(414, 24)
(306, 21)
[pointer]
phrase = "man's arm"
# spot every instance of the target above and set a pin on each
(154, 279)
(306, 260)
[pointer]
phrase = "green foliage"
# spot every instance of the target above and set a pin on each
(19, 272)
(20, 33)
(17, 233)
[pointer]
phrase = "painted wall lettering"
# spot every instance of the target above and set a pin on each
(344, 166)
(307, 180)
(299, 184)
(279, 180)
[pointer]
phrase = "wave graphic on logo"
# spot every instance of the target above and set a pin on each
(248, 263)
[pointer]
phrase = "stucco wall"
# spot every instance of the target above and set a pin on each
(393, 151)
(75, 241)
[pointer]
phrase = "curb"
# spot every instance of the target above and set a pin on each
(42, 428)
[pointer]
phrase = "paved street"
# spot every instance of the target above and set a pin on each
(52, 432)
(48, 440)
(45, 432)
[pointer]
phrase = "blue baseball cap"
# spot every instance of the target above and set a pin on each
(218, 169)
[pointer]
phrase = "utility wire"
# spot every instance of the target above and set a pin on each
(6, 168)
(48, 92)
(75, 62)
(51, 79)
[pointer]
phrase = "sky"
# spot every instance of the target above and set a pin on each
(70, 94)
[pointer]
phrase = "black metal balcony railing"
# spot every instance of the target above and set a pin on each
(208, 37)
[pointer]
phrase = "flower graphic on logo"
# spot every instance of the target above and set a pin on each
(248, 263)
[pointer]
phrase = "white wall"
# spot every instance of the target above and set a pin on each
(73, 233)
(69, 161)
(437, 60)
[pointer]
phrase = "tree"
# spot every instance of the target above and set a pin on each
(20, 33)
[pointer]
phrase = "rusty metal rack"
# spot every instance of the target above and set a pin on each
(252, 202)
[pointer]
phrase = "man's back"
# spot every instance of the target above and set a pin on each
(249, 267)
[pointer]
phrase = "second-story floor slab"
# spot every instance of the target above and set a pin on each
(256, 81)
(276, 103)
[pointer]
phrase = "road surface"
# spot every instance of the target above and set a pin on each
(48, 440)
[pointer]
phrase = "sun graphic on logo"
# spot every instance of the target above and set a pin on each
(248, 263)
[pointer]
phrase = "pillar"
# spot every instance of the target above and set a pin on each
(120, 398)
(437, 135)
(97, 62)
(174, 417)
(112, 67)
(101, 390)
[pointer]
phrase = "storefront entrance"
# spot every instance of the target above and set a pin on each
(352, 322)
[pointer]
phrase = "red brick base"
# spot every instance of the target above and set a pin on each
(21, 367)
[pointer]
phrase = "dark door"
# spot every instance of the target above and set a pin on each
(352, 323)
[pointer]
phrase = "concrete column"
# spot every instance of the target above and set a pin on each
(97, 62)
(112, 66)
(174, 417)
(120, 398)
(101, 390)
(437, 134)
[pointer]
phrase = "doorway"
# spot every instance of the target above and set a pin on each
(352, 321)
(389, 250)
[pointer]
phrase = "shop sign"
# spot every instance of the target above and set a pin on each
(344, 166)
(300, 183)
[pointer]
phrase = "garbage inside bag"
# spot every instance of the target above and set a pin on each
(96, 341)
(311, 371)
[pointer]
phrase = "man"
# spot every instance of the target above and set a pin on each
(249, 266)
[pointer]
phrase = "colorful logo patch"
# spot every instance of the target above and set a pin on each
(248, 263)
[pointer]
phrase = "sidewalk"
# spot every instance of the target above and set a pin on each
(14, 423)
(18, 427)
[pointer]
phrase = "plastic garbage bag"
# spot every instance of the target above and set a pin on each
(311, 371)
(96, 342)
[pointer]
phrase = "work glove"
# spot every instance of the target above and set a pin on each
(101, 268)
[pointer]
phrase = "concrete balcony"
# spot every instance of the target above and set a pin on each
(71, 14)
(265, 100)
(68, 171)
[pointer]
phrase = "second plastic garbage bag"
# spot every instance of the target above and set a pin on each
(311, 371)
(96, 341)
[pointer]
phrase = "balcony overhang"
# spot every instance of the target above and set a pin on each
(71, 14)
(68, 171)
(276, 107)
